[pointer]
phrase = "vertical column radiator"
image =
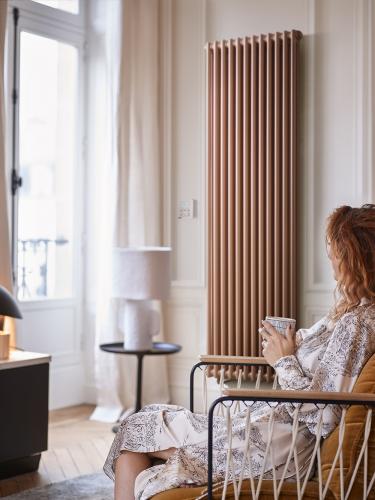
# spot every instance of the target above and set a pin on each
(251, 111)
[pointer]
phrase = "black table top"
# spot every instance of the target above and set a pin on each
(157, 348)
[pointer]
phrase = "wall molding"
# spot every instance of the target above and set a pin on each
(363, 148)
(183, 295)
(67, 386)
(363, 84)
(166, 23)
(66, 358)
(314, 314)
(188, 297)
(204, 142)
(190, 284)
(310, 187)
(371, 89)
(169, 215)
(309, 178)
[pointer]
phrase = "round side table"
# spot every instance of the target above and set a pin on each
(158, 348)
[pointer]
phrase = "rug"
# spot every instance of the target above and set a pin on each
(90, 487)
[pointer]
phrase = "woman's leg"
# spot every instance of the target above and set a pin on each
(128, 466)
(164, 455)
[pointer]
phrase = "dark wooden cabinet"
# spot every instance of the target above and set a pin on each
(23, 412)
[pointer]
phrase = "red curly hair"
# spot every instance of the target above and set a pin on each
(351, 235)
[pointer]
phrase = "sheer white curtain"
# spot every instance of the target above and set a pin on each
(5, 260)
(124, 173)
(5, 257)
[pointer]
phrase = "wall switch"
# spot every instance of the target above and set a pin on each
(187, 209)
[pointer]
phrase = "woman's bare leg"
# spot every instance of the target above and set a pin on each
(128, 466)
(164, 455)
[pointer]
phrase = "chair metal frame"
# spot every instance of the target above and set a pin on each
(209, 360)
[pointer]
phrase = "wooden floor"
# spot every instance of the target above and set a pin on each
(76, 446)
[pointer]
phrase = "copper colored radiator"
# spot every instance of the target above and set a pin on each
(252, 90)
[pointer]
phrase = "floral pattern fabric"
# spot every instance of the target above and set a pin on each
(329, 357)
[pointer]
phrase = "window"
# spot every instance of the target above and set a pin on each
(47, 159)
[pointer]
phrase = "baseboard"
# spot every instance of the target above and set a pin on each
(90, 393)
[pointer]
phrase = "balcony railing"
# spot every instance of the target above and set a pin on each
(34, 266)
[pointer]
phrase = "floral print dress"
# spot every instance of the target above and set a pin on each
(329, 357)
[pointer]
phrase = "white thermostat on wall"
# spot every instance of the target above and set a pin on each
(187, 209)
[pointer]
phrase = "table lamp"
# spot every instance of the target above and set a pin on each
(141, 275)
(8, 307)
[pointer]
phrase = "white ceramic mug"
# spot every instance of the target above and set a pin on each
(281, 324)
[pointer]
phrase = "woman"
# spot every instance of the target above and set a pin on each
(327, 357)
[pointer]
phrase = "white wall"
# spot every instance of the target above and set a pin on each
(335, 141)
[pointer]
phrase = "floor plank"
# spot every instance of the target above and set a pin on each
(66, 463)
(38, 478)
(92, 455)
(102, 446)
(80, 460)
(54, 470)
(43, 471)
(9, 486)
(29, 480)
(72, 414)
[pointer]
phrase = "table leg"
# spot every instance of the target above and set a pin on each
(138, 401)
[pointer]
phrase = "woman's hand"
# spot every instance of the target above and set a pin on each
(275, 345)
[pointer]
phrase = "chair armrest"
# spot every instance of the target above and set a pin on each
(239, 360)
(300, 396)
(209, 359)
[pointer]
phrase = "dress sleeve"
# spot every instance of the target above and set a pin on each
(350, 346)
(289, 371)
(290, 374)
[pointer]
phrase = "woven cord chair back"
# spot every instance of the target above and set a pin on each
(355, 423)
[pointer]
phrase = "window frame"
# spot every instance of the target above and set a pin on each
(68, 28)
(65, 19)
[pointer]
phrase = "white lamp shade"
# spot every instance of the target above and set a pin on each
(141, 273)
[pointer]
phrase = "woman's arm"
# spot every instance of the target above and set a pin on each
(290, 374)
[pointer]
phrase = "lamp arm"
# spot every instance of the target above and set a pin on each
(2, 319)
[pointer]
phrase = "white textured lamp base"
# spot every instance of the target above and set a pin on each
(141, 323)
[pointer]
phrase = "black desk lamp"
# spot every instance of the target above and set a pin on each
(8, 307)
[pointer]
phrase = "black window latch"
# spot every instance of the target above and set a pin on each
(16, 182)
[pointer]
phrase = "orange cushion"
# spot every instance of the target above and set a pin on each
(289, 491)
(354, 428)
(180, 494)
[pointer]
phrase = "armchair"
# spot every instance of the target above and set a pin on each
(342, 466)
